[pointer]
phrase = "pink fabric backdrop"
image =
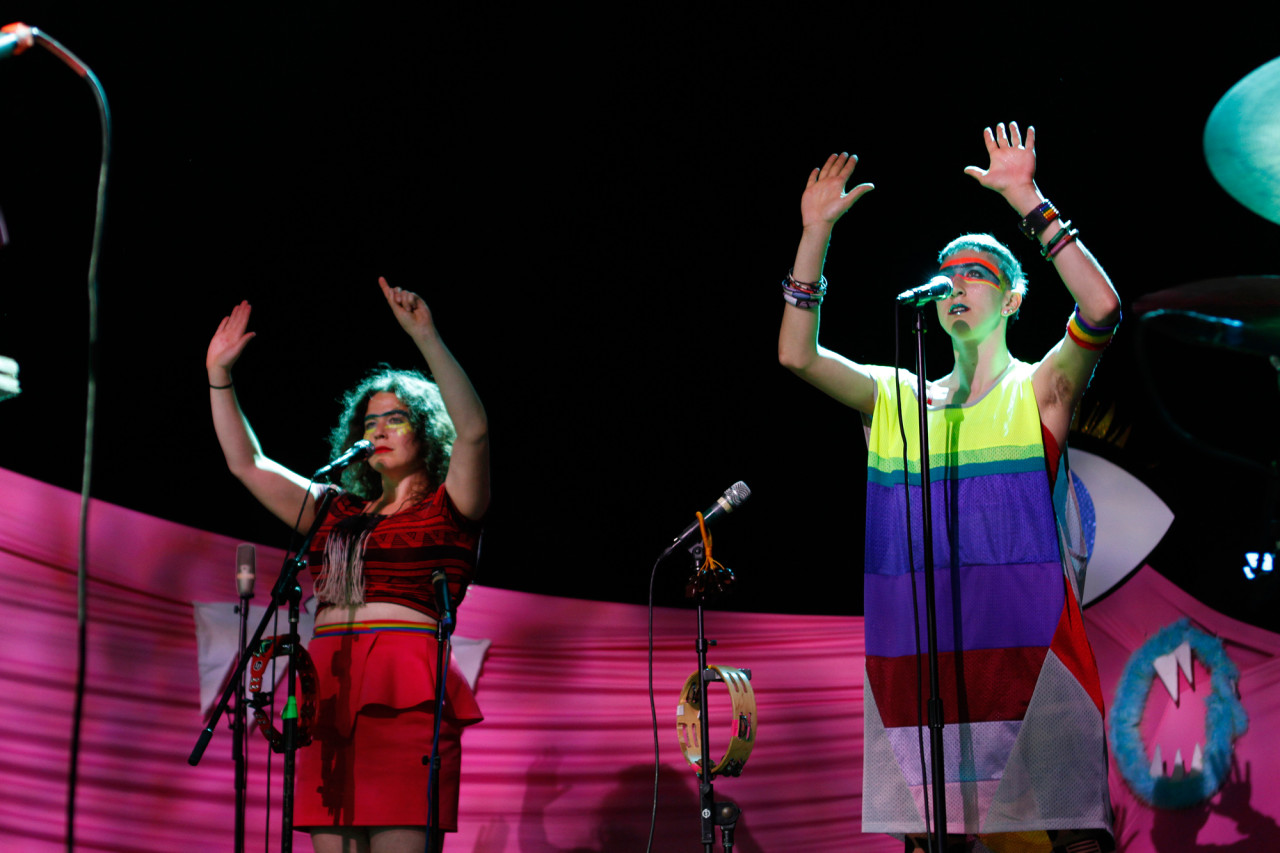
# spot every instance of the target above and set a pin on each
(563, 761)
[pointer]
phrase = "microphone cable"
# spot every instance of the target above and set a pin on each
(21, 37)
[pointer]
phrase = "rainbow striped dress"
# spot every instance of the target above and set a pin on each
(1024, 745)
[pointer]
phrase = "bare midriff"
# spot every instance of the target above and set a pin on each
(373, 611)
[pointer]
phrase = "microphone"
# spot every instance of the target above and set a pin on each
(355, 453)
(939, 287)
(15, 38)
(246, 571)
(444, 604)
(733, 497)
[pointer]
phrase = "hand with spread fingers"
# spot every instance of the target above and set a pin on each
(825, 199)
(1013, 161)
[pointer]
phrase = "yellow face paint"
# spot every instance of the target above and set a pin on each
(396, 422)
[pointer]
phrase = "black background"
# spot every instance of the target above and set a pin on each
(598, 208)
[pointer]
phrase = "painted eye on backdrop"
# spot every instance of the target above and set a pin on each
(1127, 519)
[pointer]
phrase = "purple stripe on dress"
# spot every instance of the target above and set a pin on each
(972, 752)
(1017, 523)
(999, 606)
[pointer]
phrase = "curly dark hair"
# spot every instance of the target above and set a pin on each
(431, 426)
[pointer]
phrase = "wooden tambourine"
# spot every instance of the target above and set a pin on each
(742, 731)
(268, 650)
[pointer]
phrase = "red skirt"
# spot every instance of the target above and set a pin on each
(376, 704)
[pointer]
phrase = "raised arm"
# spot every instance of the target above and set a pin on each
(823, 203)
(1063, 375)
(277, 488)
(468, 479)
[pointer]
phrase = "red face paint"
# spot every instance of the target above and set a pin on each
(966, 260)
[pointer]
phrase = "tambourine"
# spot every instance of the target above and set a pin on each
(308, 681)
(742, 731)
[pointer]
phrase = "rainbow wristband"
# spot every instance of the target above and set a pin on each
(1093, 338)
(1038, 219)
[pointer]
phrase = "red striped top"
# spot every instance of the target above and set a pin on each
(404, 549)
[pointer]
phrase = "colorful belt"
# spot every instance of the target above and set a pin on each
(381, 626)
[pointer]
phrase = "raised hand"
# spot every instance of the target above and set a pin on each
(468, 477)
(825, 199)
(412, 313)
(230, 339)
(1013, 163)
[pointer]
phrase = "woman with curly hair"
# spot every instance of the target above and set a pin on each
(413, 508)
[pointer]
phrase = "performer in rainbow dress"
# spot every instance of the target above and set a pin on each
(1024, 747)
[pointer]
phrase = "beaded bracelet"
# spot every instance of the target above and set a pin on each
(819, 286)
(800, 299)
(1038, 219)
(1090, 337)
(804, 294)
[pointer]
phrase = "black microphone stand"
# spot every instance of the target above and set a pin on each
(711, 814)
(286, 590)
(239, 723)
(444, 635)
(938, 837)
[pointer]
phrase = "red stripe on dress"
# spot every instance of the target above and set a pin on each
(1071, 645)
(998, 682)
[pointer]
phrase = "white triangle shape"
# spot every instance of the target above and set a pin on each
(1167, 668)
(1178, 769)
(1157, 764)
(1197, 761)
(1183, 655)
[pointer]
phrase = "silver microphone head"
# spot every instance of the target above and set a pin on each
(246, 572)
(737, 494)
